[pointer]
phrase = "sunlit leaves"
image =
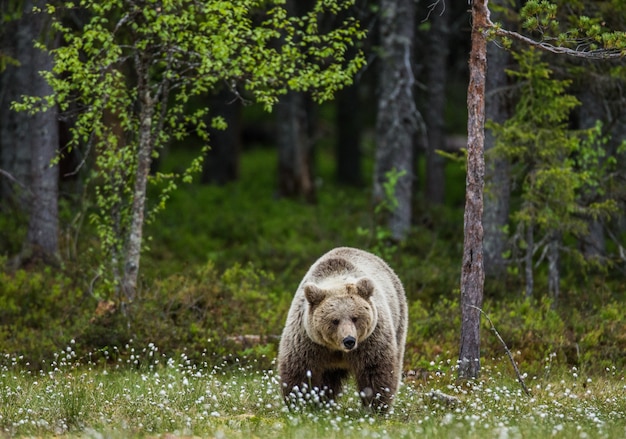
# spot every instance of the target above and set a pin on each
(168, 52)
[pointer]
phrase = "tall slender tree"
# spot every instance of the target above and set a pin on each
(472, 271)
(396, 124)
(539, 17)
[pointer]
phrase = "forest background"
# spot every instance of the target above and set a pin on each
(380, 166)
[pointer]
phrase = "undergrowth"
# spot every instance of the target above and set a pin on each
(224, 263)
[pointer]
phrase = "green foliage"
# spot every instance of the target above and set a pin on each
(40, 311)
(9, 10)
(194, 312)
(249, 224)
(215, 275)
(560, 173)
(13, 227)
(584, 27)
(133, 70)
(541, 336)
(601, 335)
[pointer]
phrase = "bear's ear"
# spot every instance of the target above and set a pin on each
(365, 288)
(314, 294)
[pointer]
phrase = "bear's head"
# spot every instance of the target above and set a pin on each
(340, 316)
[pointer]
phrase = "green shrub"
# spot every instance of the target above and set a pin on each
(599, 336)
(12, 231)
(206, 314)
(40, 312)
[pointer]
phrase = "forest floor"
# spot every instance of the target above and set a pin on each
(146, 395)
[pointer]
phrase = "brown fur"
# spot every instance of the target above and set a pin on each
(348, 316)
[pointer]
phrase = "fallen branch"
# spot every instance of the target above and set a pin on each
(444, 398)
(506, 349)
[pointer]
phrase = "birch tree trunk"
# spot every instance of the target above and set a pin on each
(144, 159)
(396, 124)
(472, 273)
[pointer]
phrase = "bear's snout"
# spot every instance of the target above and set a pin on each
(349, 342)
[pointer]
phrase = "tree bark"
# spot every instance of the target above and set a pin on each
(144, 158)
(221, 165)
(42, 238)
(497, 182)
(435, 116)
(591, 110)
(29, 143)
(348, 147)
(17, 40)
(554, 276)
(528, 259)
(472, 274)
(295, 148)
(295, 145)
(396, 124)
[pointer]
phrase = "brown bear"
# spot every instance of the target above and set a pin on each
(348, 316)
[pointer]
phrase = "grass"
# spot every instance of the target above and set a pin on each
(145, 394)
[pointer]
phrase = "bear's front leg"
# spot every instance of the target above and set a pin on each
(303, 379)
(377, 384)
(297, 381)
(332, 383)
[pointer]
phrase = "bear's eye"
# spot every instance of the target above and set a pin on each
(354, 319)
(335, 322)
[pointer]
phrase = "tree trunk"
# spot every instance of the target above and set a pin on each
(295, 148)
(435, 116)
(295, 145)
(42, 238)
(472, 274)
(221, 165)
(15, 81)
(396, 124)
(528, 259)
(30, 142)
(497, 182)
(348, 147)
(554, 277)
(591, 110)
(144, 158)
